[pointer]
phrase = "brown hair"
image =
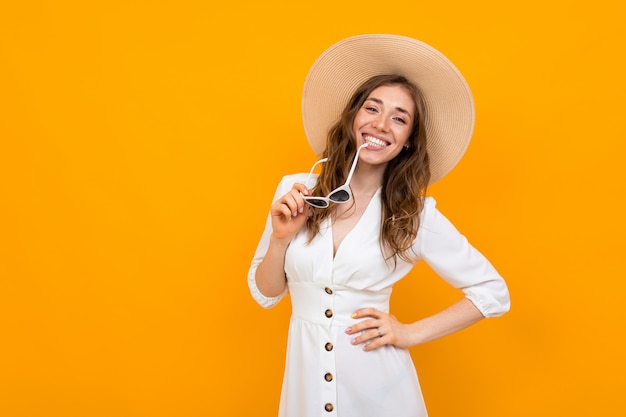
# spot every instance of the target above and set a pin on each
(406, 176)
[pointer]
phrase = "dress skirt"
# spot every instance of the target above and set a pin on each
(328, 376)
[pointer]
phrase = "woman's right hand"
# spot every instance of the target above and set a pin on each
(289, 213)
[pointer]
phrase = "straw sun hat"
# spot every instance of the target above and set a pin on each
(340, 69)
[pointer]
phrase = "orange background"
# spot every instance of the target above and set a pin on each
(140, 145)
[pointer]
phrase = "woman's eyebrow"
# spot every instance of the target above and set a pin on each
(379, 101)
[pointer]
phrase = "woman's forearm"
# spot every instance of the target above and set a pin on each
(270, 275)
(454, 318)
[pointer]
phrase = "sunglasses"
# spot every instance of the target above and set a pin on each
(338, 195)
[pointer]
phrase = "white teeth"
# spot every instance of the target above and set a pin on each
(374, 141)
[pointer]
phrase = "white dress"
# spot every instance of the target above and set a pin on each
(325, 375)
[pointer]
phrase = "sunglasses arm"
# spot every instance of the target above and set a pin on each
(308, 179)
(356, 157)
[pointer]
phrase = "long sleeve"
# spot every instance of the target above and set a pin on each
(452, 257)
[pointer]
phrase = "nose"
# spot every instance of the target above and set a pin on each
(380, 123)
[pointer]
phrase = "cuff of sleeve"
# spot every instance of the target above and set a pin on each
(488, 305)
(265, 302)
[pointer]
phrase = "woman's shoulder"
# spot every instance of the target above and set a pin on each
(433, 219)
(430, 213)
(287, 182)
(430, 206)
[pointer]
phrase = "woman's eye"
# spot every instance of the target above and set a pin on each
(400, 119)
(370, 108)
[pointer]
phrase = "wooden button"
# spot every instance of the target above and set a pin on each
(328, 290)
(329, 407)
(328, 346)
(328, 377)
(329, 313)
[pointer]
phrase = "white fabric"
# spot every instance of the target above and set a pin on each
(382, 382)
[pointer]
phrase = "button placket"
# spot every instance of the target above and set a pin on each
(327, 379)
(329, 390)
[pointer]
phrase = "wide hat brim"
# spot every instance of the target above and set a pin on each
(338, 71)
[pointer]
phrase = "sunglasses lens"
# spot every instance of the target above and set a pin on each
(340, 196)
(317, 202)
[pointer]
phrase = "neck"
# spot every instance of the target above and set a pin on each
(367, 179)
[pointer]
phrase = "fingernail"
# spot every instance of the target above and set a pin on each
(349, 330)
(301, 209)
(353, 341)
(353, 315)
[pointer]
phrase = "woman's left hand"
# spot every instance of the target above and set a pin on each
(379, 329)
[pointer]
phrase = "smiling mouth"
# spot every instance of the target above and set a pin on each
(371, 140)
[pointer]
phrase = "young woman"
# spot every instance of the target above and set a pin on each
(338, 242)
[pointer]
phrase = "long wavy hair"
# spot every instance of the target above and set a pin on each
(405, 179)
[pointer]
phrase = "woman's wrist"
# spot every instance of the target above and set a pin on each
(279, 242)
(416, 333)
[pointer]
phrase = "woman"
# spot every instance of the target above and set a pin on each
(338, 242)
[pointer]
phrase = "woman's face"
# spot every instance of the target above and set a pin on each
(384, 122)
